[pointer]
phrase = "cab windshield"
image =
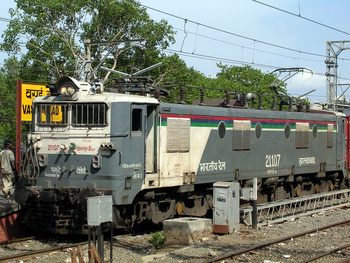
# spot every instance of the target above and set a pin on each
(78, 115)
(53, 115)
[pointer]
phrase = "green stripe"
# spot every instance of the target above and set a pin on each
(276, 127)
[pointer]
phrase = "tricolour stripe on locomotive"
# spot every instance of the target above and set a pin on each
(271, 155)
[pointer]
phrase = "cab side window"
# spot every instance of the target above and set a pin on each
(136, 125)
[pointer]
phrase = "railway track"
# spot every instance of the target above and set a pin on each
(15, 241)
(34, 254)
(119, 241)
(236, 254)
(132, 245)
(323, 255)
(139, 246)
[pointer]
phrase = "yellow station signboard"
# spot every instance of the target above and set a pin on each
(29, 92)
(51, 114)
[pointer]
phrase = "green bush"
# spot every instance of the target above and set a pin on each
(157, 239)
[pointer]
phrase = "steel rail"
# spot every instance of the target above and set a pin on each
(347, 260)
(25, 256)
(240, 252)
(19, 240)
(326, 253)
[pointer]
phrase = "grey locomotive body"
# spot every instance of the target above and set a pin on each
(160, 160)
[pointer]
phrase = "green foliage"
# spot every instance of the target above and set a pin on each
(8, 77)
(231, 78)
(247, 79)
(157, 240)
(55, 31)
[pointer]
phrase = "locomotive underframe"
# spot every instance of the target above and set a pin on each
(64, 211)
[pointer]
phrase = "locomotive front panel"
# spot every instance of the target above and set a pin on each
(69, 144)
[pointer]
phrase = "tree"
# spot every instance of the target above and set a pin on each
(54, 32)
(175, 74)
(248, 80)
(231, 78)
(8, 78)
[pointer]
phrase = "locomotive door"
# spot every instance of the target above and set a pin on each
(143, 143)
(151, 139)
(137, 140)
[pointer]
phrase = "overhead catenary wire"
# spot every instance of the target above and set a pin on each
(233, 34)
(257, 49)
(224, 31)
(228, 60)
(322, 56)
(302, 17)
(218, 59)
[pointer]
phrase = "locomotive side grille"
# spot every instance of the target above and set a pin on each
(184, 135)
(330, 135)
(172, 135)
(241, 135)
(302, 135)
(178, 134)
(246, 135)
(237, 135)
(306, 135)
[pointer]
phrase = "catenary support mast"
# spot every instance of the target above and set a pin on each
(334, 48)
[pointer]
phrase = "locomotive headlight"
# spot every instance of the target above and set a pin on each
(67, 91)
(70, 91)
(42, 160)
(96, 161)
(63, 91)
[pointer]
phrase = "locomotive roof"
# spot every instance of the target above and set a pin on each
(103, 97)
(178, 109)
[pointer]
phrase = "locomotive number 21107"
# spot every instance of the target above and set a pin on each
(272, 160)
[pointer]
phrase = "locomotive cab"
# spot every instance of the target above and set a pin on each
(85, 142)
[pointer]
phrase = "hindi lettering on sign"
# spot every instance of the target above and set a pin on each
(29, 92)
(33, 93)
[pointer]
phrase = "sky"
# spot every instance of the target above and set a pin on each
(265, 34)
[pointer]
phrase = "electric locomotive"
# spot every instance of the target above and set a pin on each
(160, 160)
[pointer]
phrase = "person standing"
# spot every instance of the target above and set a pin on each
(7, 159)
